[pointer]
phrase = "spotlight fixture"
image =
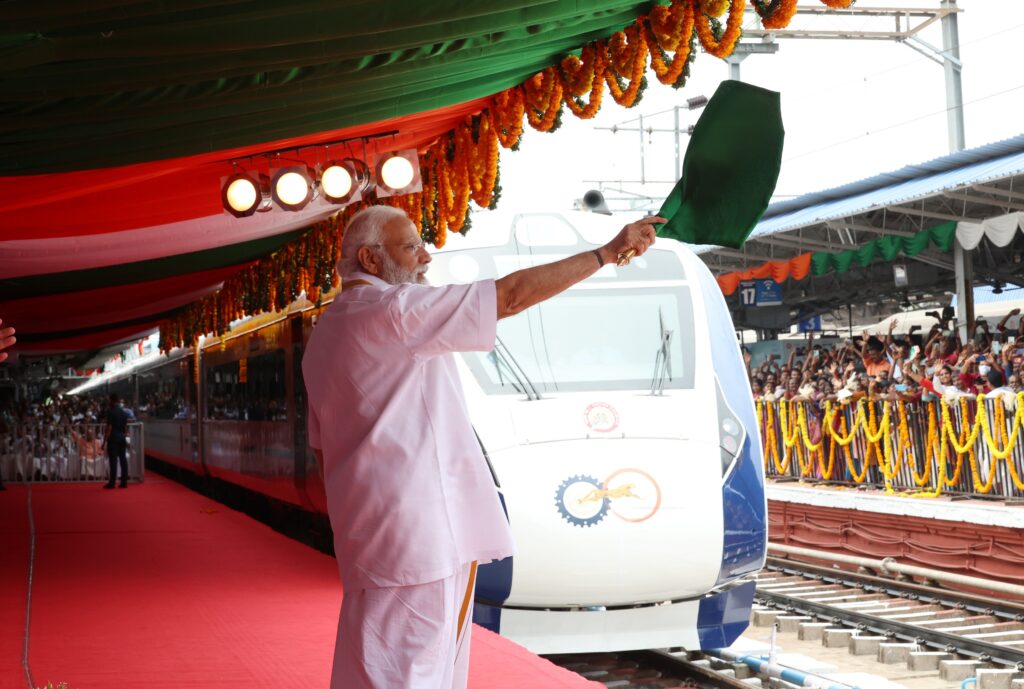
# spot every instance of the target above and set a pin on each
(344, 181)
(398, 173)
(293, 187)
(245, 193)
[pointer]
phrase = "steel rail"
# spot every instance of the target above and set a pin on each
(934, 638)
(905, 589)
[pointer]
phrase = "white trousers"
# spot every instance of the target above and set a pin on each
(406, 637)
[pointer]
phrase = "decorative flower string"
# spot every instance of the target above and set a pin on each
(463, 163)
(950, 444)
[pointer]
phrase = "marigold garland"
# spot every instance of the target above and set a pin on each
(775, 14)
(949, 445)
(463, 164)
(721, 47)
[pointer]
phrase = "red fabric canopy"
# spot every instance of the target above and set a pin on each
(92, 202)
(71, 311)
(58, 223)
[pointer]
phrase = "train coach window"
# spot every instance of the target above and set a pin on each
(594, 340)
(248, 389)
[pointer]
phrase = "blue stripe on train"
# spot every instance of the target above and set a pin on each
(745, 525)
(723, 616)
(493, 584)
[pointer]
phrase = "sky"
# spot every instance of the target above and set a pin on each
(851, 109)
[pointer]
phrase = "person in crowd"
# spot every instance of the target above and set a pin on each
(409, 495)
(116, 441)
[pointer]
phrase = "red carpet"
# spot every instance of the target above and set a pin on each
(156, 586)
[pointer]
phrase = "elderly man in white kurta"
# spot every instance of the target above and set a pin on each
(411, 501)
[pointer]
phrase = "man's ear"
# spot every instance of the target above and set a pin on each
(368, 260)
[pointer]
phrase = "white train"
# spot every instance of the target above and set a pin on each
(616, 418)
(618, 422)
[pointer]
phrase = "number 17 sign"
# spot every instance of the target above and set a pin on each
(748, 293)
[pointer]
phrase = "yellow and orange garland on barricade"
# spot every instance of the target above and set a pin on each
(462, 165)
(948, 448)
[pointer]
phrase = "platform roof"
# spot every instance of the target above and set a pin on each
(970, 185)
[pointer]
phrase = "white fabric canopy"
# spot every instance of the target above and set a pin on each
(999, 230)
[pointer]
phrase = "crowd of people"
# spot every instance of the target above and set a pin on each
(60, 438)
(910, 365)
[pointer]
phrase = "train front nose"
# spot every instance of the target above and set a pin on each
(606, 522)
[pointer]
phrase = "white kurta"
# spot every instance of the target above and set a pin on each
(409, 494)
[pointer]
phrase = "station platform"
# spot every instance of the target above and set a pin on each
(982, 538)
(157, 586)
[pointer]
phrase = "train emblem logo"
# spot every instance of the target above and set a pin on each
(631, 495)
(601, 417)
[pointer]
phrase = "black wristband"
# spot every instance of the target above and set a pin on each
(600, 261)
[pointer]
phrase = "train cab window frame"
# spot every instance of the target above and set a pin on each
(593, 339)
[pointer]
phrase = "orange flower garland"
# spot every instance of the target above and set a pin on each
(713, 8)
(670, 29)
(775, 14)
(508, 111)
(627, 58)
(543, 96)
(734, 27)
(463, 164)
(583, 74)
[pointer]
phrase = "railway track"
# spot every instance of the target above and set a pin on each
(656, 669)
(927, 627)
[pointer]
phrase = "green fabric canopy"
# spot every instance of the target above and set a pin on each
(731, 166)
(887, 248)
(99, 84)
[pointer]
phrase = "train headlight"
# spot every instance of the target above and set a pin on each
(731, 434)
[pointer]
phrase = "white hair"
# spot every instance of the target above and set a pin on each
(366, 228)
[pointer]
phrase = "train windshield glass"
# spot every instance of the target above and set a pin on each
(593, 339)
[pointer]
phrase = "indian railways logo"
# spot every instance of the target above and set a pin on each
(601, 417)
(631, 495)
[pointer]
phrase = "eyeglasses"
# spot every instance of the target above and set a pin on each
(410, 248)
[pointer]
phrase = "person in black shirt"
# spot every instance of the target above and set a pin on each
(116, 441)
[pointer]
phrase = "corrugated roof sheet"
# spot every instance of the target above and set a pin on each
(972, 166)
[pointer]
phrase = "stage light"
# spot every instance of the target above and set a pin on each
(398, 173)
(293, 187)
(245, 193)
(344, 181)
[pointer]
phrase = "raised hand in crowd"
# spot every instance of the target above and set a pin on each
(6, 340)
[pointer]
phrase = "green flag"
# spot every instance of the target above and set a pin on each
(730, 169)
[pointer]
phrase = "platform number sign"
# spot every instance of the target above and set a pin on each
(748, 293)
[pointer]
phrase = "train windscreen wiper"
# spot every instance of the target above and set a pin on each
(662, 359)
(504, 369)
(502, 354)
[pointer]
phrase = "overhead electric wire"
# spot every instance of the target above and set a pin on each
(900, 124)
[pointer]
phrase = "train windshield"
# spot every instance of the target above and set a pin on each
(634, 338)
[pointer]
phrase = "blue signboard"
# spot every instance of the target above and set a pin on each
(812, 324)
(767, 293)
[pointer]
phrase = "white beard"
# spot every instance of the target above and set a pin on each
(394, 274)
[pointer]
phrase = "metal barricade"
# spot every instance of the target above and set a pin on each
(65, 452)
(916, 453)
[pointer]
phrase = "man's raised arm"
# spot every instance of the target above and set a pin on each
(524, 288)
